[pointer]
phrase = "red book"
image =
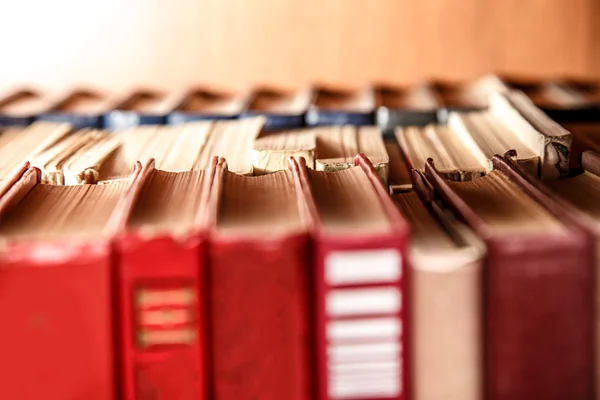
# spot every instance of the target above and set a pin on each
(56, 291)
(538, 286)
(258, 288)
(360, 283)
(161, 286)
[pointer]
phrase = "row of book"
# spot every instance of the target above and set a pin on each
(382, 105)
(451, 262)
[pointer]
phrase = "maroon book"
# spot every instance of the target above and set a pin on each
(538, 287)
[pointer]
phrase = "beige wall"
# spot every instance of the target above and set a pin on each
(233, 43)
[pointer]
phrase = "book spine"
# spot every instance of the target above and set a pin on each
(361, 338)
(161, 318)
(258, 306)
(446, 321)
(539, 321)
(57, 330)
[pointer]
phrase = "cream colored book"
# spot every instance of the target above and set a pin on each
(453, 158)
(270, 153)
(446, 267)
(338, 146)
(175, 149)
(550, 141)
(28, 143)
(486, 134)
(51, 161)
(232, 140)
(84, 165)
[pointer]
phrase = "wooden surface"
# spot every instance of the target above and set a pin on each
(233, 43)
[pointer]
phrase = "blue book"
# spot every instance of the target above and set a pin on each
(21, 107)
(140, 107)
(333, 106)
(201, 103)
(282, 109)
(80, 108)
(406, 106)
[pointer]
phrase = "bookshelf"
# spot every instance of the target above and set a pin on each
(234, 43)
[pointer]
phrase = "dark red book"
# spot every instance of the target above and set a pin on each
(538, 286)
(258, 275)
(161, 288)
(56, 293)
(360, 283)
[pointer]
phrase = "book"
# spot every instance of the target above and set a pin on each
(360, 261)
(82, 108)
(161, 286)
(258, 288)
(399, 177)
(544, 136)
(139, 107)
(576, 197)
(487, 134)
(57, 288)
(19, 144)
(232, 140)
(586, 136)
(445, 302)
(535, 251)
(21, 106)
(52, 161)
(564, 101)
(271, 151)
(283, 109)
(337, 147)
(455, 160)
(337, 106)
(469, 96)
(203, 103)
(406, 106)
(176, 148)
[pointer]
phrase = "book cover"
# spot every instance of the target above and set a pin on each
(538, 288)
(161, 288)
(258, 296)
(360, 280)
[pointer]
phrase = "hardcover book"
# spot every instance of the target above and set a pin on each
(409, 106)
(57, 288)
(81, 108)
(21, 107)
(445, 302)
(258, 288)
(160, 254)
(336, 106)
(202, 103)
(360, 281)
(282, 109)
(140, 107)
